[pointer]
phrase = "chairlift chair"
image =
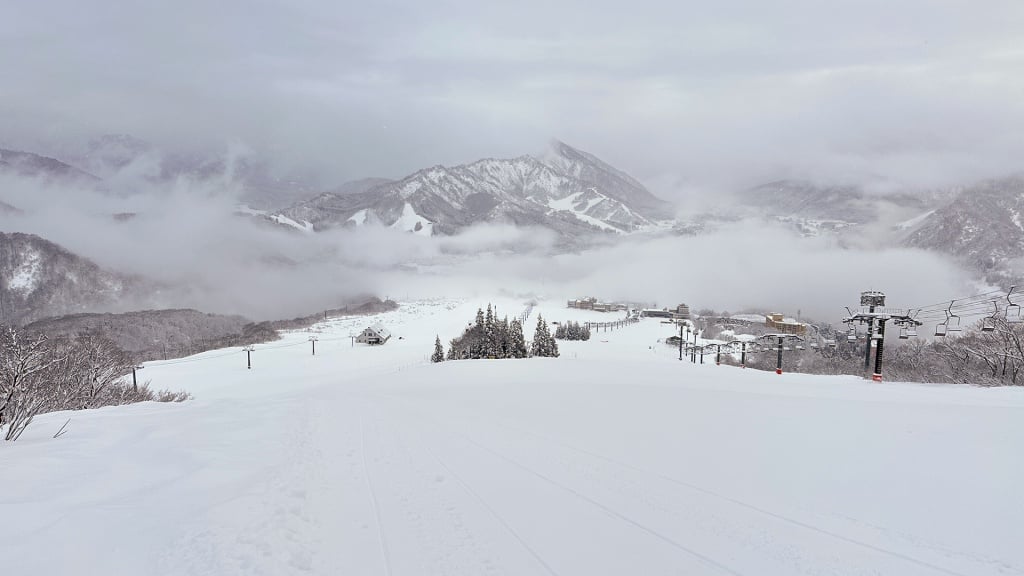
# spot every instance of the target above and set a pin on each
(1013, 311)
(950, 316)
(912, 331)
(988, 324)
(904, 333)
(940, 329)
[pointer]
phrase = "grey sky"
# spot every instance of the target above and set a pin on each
(681, 94)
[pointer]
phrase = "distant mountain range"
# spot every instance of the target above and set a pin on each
(35, 165)
(566, 190)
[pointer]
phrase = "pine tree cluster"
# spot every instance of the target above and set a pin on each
(544, 344)
(487, 337)
(572, 331)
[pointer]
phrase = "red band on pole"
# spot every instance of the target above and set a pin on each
(778, 370)
(876, 377)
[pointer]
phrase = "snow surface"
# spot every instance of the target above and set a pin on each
(409, 219)
(614, 459)
(913, 222)
(25, 277)
(305, 225)
(567, 205)
(359, 218)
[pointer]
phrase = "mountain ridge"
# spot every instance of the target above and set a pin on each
(567, 190)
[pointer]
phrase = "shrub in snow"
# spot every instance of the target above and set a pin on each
(39, 375)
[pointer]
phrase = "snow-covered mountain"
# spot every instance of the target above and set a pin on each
(565, 189)
(814, 208)
(29, 164)
(39, 278)
(982, 225)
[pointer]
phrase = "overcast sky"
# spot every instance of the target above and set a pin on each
(681, 94)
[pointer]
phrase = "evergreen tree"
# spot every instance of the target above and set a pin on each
(438, 351)
(476, 336)
(517, 342)
(543, 344)
(504, 341)
(490, 349)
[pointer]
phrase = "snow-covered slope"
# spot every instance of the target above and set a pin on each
(613, 459)
(566, 190)
(39, 278)
(982, 226)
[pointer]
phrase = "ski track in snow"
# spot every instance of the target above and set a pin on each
(604, 508)
(640, 490)
(373, 498)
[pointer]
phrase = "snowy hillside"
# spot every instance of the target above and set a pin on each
(566, 190)
(39, 278)
(981, 226)
(614, 459)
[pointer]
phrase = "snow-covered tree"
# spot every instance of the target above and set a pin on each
(503, 339)
(438, 351)
(517, 342)
(572, 331)
(490, 345)
(543, 344)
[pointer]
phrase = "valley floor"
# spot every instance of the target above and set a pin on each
(614, 459)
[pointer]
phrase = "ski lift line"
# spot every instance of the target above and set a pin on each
(964, 299)
(186, 360)
(975, 309)
(962, 306)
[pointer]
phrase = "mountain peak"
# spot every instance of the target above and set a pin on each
(567, 190)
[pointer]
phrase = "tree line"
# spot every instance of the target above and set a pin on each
(572, 331)
(39, 374)
(489, 337)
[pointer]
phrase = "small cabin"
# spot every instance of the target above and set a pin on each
(373, 335)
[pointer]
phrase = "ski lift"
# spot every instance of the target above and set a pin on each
(941, 329)
(904, 333)
(851, 335)
(831, 343)
(988, 324)
(912, 330)
(949, 316)
(1013, 312)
